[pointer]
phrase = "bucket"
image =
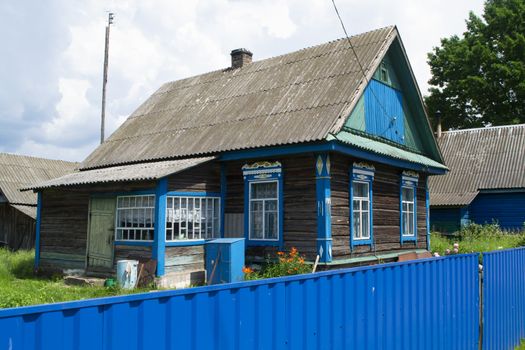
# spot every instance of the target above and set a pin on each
(127, 273)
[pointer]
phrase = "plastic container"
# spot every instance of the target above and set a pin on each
(127, 273)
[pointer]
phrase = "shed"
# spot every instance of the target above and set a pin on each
(303, 149)
(18, 209)
(486, 182)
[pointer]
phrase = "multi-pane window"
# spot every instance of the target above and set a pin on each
(408, 218)
(192, 218)
(135, 219)
(264, 213)
(361, 210)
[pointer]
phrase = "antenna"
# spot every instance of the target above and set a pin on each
(105, 78)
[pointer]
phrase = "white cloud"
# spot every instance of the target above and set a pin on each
(53, 64)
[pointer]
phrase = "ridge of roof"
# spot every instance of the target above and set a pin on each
(485, 128)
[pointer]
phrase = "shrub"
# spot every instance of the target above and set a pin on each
(288, 263)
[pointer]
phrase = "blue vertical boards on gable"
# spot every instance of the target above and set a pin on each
(384, 115)
(225, 260)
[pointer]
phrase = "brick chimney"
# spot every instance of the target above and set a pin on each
(240, 58)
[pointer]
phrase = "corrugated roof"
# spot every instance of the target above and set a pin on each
(385, 149)
(484, 158)
(17, 171)
(293, 98)
(132, 172)
(26, 209)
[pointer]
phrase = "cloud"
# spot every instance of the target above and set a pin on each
(51, 65)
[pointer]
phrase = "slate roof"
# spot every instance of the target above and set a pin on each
(132, 172)
(298, 97)
(17, 171)
(479, 159)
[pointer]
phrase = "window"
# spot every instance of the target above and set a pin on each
(408, 217)
(361, 210)
(361, 223)
(135, 219)
(190, 218)
(264, 215)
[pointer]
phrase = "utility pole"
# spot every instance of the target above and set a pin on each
(105, 79)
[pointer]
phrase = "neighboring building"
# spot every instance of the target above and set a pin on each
(295, 150)
(18, 209)
(486, 182)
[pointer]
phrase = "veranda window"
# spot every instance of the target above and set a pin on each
(361, 210)
(264, 214)
(190, 218)
(135, 219)
(408, 218)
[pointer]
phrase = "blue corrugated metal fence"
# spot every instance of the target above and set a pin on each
(503, 298)
(425, 304)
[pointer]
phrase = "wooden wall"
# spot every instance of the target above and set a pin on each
(386, 211)
(16, 228)
(64, 223)
(205, 177)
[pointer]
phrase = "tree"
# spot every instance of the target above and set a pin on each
(479, 79)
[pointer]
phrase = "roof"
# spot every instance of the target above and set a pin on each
(386, 149)
(298, 97)
(17, 171)
(133, 172)
(479, 159)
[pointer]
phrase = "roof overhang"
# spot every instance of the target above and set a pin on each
(122, 173)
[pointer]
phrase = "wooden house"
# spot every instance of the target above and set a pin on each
(486, 182)
(18, 209)
(304, 149)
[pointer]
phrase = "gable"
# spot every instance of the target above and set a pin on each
(390, 107)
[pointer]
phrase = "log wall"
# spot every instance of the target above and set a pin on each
(17, 230)
(202, 178)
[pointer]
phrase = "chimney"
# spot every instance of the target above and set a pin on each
(438, 121)
(240, 58)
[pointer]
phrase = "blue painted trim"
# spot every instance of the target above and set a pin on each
(159, 243)
(256, 178)
(224, 191)
(412, 182)
(185, 243)
(370, 180)
(333, 146)
(427, 207)
(134, 243)
(324, 206)
(194, 194)
(37, 229)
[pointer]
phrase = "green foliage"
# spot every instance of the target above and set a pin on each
(19, 287)
(479, 78)
(477, 238)
(287, 264)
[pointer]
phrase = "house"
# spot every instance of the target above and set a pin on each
(486, 182)
(298, 150)
(18, 209)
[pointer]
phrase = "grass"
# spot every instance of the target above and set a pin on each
(477, 238)
(521, 346)
(19, 287)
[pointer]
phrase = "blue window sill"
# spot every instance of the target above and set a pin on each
(353, 243)
(185, 243)
(263, 243)
(408, 239)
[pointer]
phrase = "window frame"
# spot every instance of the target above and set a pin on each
(180, 197)
(117, 227)
(263, 172)
(408, 181)
(361, 173)
(263, 200)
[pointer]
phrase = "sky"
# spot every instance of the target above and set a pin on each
(51, 60)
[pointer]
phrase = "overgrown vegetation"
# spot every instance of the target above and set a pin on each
(288, 263)
(477, 238)
(19, 287)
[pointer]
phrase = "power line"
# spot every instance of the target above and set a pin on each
(362, 68)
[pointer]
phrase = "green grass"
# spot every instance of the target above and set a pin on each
(521, 346)
(477, 238)
(19, 287)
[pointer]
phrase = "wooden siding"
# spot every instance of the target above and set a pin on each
(17, 229)
(123, 252)
(184, 259)
(202, 178)
(64, 223)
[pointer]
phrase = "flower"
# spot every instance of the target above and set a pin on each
(436, 254)
(456, 245)
(280, 253)
(301, 261)
(447, 252)
(293, 251)
(456, 250)
(247, 270)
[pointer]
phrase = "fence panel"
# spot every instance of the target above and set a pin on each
(425, 304)
(503, 298)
